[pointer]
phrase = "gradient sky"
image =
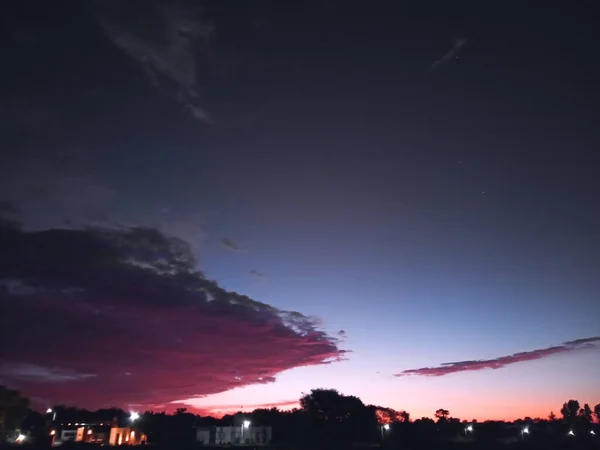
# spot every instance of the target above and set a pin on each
(420, 184)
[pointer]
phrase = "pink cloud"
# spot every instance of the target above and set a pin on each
(122, 317)
(502, 361)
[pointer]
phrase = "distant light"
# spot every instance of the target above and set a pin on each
(386, 426)
(89, 431)
(592, 432)
(20, 438)
(134, 416)
(470, 428)
(77, 424)
(246, 423)
(52, 433)
(49, 411)
(571, 433)
(526, 430)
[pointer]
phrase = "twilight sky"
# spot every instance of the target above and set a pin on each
(404, 199)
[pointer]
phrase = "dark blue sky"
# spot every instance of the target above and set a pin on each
(434, 212)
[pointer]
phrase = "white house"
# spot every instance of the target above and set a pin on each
(251, 435)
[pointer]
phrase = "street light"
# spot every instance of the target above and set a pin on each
(245, 424)
(384, 427)
(524, 431)
(51, 411)
(592, 432)
(133, 416)
(468, 429)
(571, 433)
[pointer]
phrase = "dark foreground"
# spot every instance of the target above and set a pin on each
(561, 444)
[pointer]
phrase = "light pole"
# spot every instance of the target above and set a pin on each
(384, 428)
(50, 411)
(245, 424)
(468, 429)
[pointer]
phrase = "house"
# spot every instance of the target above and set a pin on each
(102, 433)
(126, 436)
(250, 435)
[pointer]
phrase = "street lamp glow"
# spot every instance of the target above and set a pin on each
(526, 430)
(592, 432)
(134, 416)
(49, 411)
(386, 426)
(571, 433)
(470, 428)
(246, 423)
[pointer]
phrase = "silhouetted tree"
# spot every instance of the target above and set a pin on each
(570, 411)
(441, 415)
(585, 414)
(342, 416)
(551, 416)
(13, 408)
(597, 412)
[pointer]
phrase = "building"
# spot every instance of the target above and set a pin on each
(102, 433)
(126, 436)
(246, 435)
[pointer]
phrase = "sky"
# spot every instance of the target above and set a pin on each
(225, 206)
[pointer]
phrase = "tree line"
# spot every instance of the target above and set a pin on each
(324, 415)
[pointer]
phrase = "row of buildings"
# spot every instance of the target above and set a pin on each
(112, 434)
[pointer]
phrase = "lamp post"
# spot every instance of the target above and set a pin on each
(245, 424)
(468, 429)
(384, 428)
(51, 411)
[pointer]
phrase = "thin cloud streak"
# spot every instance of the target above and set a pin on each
(221, 410)
(503, 361)
(230, 245)
(458, 44)
(258, 276)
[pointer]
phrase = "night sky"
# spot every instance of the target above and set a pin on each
(406, 201)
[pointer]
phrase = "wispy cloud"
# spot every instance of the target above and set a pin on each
(452, 52)
(231, 245)
(37, 373)
(258, 276)
(184, 35)
(503, 361)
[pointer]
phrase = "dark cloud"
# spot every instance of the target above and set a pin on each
(342, 333)
(230, 245)
(503, 361)
(123, 317)
(458, 44)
